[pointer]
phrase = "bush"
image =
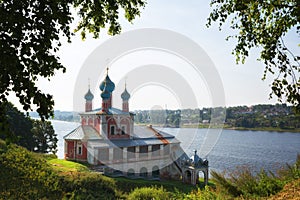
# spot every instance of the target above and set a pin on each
(263, 184)
(205, 194)
(149, 193)
(127, 185)
(88, 185)
(290, 172)
(25, 175)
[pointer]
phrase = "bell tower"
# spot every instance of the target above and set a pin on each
(89, 100)
(125, 97)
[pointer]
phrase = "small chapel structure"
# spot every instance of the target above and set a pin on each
(108, 139)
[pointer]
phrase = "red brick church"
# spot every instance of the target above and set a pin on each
(108, 139)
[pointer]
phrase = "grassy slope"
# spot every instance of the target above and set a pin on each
(28, 175)
(124, 184)
(128, 185)
(60, 165)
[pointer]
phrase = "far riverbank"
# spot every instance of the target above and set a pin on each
(206, 126)
(272, 129)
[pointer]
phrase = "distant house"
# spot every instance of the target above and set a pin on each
(108, 139)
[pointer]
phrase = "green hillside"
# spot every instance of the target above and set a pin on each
(27, 175)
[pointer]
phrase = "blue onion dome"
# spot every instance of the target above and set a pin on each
(105, 94)
(89, 96)
(110, 86)
(125, 95)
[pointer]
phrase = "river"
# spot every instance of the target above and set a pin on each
(256, 149)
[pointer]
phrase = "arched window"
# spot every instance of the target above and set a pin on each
(130, 172)
(112, 129)
(155, 171)
(188, 176)
(143, 172)
(79, 148)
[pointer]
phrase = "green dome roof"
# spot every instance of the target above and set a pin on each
(125, 95)
(89, 96)
(110, 86)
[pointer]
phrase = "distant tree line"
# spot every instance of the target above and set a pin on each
(276, 116)
(34, 135)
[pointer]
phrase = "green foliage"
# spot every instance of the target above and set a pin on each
(206, 194)
(67, 166)
(95, 15)
(88, 186)
(224, 184)
(279, 117)
(127, 185)
(31, 33)
(264, 24)
(18, 127)
(48, 156)
(45, 138)
(149, 193)
(35, 135)
(290, 172)
(25, 175)
(244, 182)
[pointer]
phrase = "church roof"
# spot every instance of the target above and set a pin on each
(112, 111)
(127, 142)
(144, 132)
(85, 132)
(142, 136)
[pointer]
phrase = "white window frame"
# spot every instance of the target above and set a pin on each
(79, 148)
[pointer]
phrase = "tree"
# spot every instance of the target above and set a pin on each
(34, 135)
(45, 139)
(264, 24)
(18, 127)
(30, 34)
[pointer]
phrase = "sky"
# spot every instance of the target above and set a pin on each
(241, 84)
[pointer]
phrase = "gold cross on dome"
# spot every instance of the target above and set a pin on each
(107, 64)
